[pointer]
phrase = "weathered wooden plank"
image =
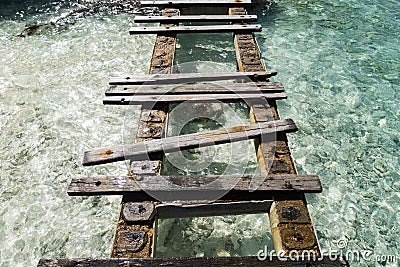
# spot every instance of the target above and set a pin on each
(141, 151)
(202, 98)
(185, 3)
(249, 261)
(248, 54)
(197, 88)
(144, 234)
(195, 18)
(197, 29)
(143, 188)
(191, 77)
(291, 225)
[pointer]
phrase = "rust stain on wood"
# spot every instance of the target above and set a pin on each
(132, 241)
(288, 184)
(106, 153)
(286, 235)
(238, 129)
(161, 62)
(298, 237)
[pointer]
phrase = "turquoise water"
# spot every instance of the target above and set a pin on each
(339, 61)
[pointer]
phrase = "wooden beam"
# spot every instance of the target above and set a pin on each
(196, 29)
(186, 3)
(195, 18)
(174, 188)
(197, 88)
(202, 98)
(142, 151)
(137, 239)
(250, 261)
(160, 78)
(290, 221)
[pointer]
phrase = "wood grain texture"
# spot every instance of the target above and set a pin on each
(237, 187)
(196, 29)
(196, 88)
(287, 235)
(250, 261)
(195, 18)
(142, 151)
(199, 98)
(161, 62)
(179, 78)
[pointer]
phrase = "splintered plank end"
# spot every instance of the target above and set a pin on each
(100, 156)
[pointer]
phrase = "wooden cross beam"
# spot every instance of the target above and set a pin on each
(248, 261)
(174, 188)
(142, 150)
(180, 78)
(195, 88)
(197, 29)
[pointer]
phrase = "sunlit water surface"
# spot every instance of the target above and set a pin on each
(339, 61)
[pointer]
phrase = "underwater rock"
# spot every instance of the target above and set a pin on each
(208, 111)
(89, 8)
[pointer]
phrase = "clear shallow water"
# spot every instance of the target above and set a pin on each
(51, 112)
(339, 61)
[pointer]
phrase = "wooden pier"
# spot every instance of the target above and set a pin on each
(281, 192)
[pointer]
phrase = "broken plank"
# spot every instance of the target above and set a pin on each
(174, 188)
(185, 3)
(192, 77)
(247, 261)
(195, 18)
(230, 98)
(197, 29)
(142, 150)
(199, 88)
